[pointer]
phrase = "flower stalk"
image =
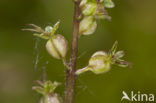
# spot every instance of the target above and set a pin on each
(71, 77)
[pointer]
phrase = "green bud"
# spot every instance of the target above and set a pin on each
(83, 3)
(57, 46)
(89, 9)
(49, 87)
(108, 4)
(45, 87)
(51, 98)
(44, 34)
(47, 90)
(87, 25)
(48, 29)
(98, 64)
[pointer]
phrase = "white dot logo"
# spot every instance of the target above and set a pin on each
(125, 96)
(138, 97)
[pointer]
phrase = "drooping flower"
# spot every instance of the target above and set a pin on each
(47, 89)
(57, 45)
(88, 25)
(100, 62)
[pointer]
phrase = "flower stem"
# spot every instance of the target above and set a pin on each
(71, 77)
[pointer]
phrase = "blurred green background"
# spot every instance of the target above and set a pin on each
(23, 57)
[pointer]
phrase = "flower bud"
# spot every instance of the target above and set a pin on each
(51, 98)
(108, 4)
(98, 63)
(83, 3)
(87, 25)
(47, 90)
(89, 9)
(48, 29)
(57, 46)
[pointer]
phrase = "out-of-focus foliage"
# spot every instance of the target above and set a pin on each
(22, 59)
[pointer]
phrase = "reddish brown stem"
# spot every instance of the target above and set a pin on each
(71, 77)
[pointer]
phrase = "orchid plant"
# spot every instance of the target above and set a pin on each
(86, 14)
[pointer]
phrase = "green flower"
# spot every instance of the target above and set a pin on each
(100, 62)
(47, 90)
(87, 25)
(57, 46)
